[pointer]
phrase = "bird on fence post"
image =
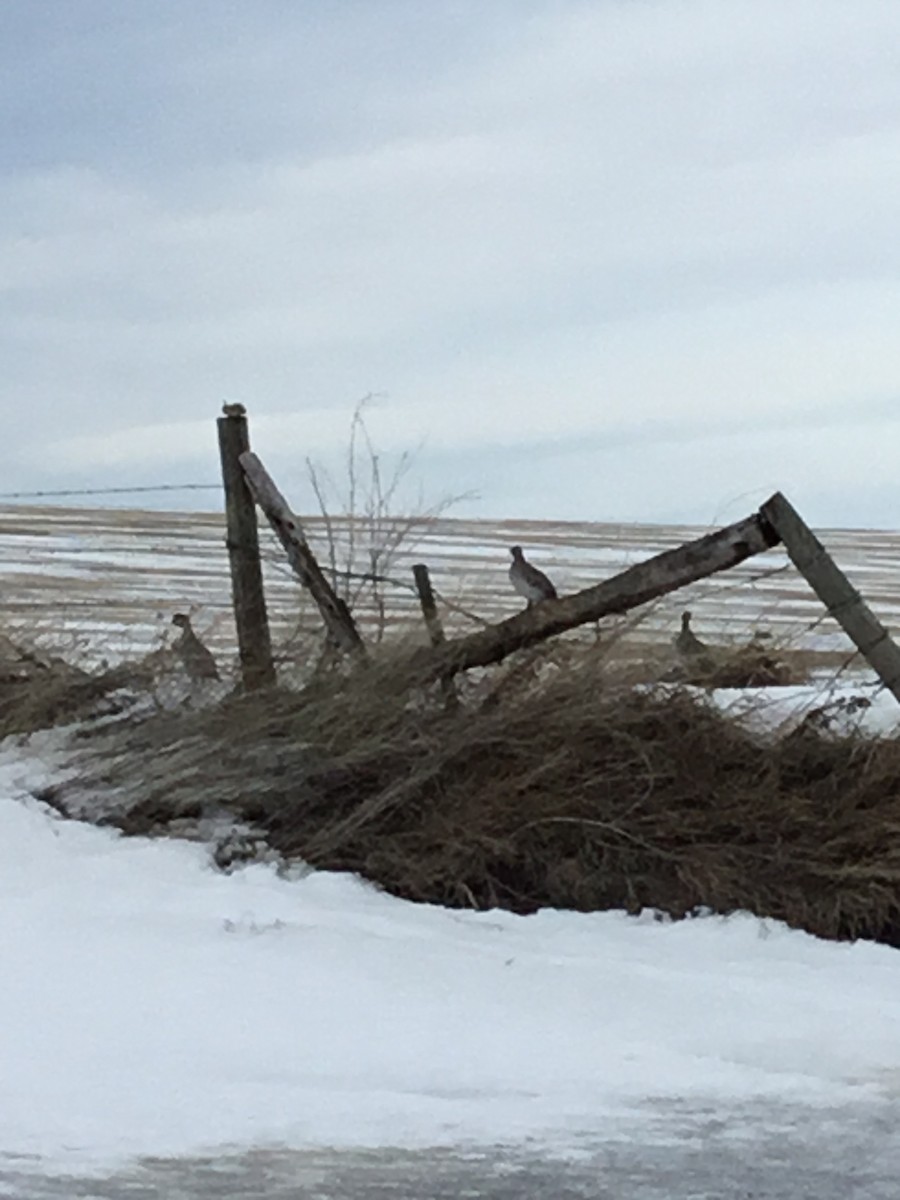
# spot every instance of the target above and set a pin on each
(527, 580)
(688, 644)
(197, 660)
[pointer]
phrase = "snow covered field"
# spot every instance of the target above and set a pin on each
(105, 583)
(154, 1007)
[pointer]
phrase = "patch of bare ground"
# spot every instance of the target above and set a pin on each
(555, 780)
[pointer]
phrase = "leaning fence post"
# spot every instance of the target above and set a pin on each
(242, 540)
(835, 591)
(335, 613)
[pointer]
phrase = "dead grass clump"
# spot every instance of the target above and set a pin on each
(39, 690)
(563, 791)
(751, 666)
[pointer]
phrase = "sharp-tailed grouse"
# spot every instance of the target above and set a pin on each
(528, 581)
(197, 660)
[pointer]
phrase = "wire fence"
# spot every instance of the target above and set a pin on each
(138, 490)
(111, 578)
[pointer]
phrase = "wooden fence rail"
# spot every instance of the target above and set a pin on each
(289, 531)
(643, 582)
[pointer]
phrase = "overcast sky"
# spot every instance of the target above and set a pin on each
(611, 260)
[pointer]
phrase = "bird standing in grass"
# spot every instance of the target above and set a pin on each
(198, 661)
(687, 643)
(528, 581)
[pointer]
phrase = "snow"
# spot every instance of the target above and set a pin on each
(850, 705)
(153, 1006)
(160, 562)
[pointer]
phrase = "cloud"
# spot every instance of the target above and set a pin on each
(620, 224)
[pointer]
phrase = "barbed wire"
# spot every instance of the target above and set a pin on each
(114, 491)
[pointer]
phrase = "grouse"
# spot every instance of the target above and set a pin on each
(198, 661)
(528, 581)
(687, 643)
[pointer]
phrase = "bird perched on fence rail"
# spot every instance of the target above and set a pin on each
(527, 580)
(687, 643)
(197, 660)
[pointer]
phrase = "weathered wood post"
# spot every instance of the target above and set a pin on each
(242, 540)
(289, 531)
(429, 605)
(433, 624)
(835, 591)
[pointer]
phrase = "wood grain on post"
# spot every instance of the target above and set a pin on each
(643, 582)
(248, 596)
(835, 590)
(288, 530)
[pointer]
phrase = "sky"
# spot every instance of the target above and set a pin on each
(617, 260)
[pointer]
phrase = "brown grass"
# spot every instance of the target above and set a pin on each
(550, 784)
(39, 690)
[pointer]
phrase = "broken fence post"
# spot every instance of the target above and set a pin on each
(288, 530)
(432, 622)
(835, 590)
(429, 606)
(242, 540)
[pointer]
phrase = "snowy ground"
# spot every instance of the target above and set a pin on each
(166, 1030)
(153, 1008)
(103, 584)
(849, 705)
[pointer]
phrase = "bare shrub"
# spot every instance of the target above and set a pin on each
(365, 523)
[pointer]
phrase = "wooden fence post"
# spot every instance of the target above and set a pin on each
(433, 624)
(835, 591)
(429, 606)
(242, 540)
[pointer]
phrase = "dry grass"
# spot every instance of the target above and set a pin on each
(552, 783)
(39, 690)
